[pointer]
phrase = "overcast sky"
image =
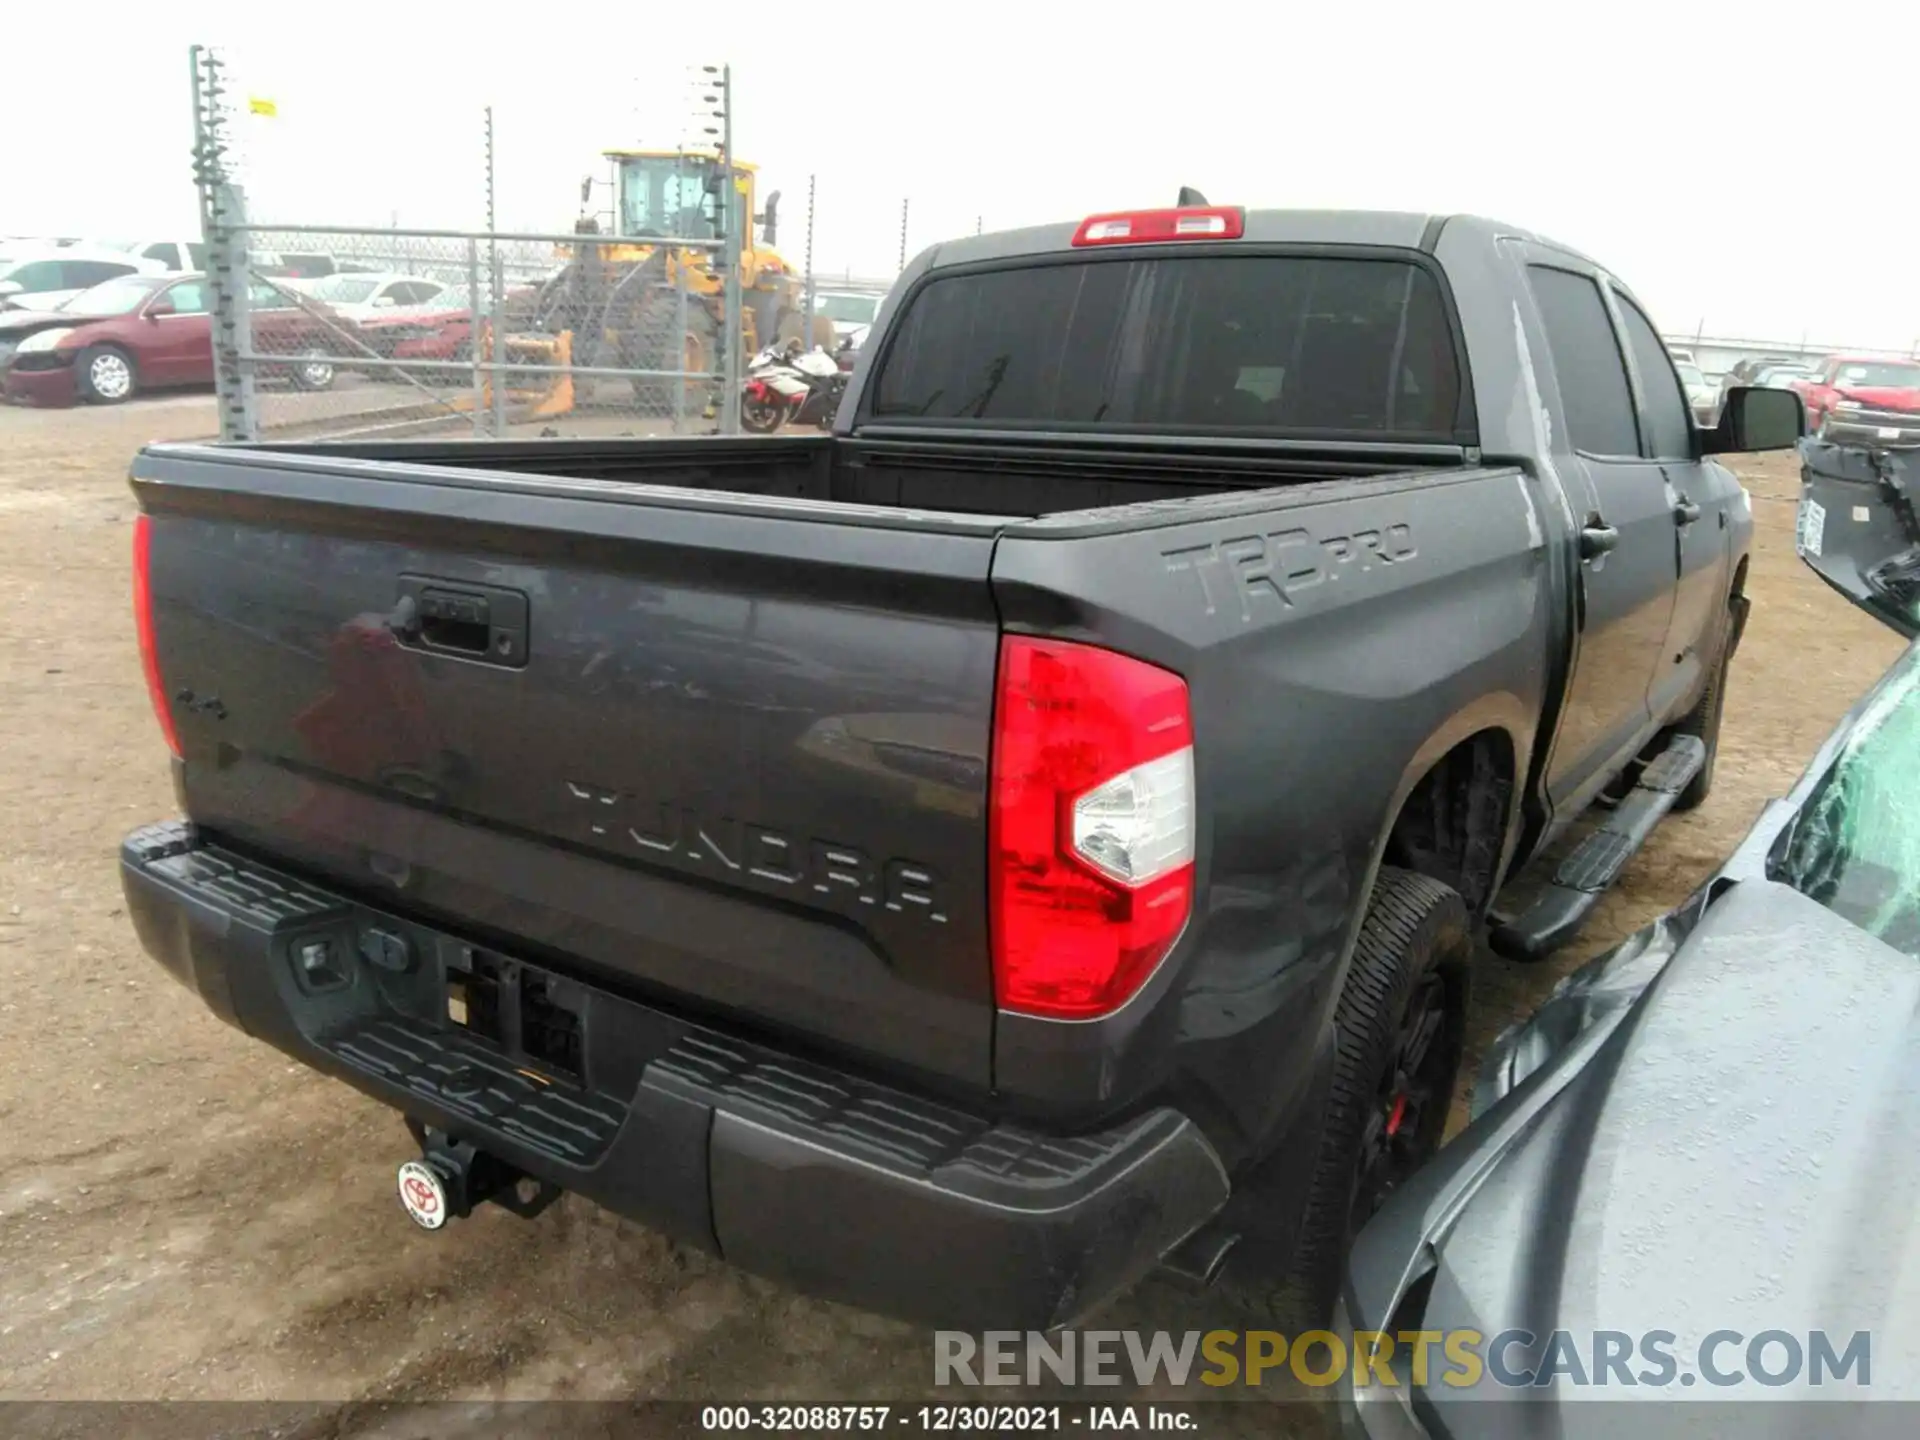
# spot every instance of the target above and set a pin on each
(1744, 168)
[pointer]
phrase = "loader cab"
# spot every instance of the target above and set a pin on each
(674, 195)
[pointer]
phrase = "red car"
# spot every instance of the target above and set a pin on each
(1863, 398)
(440, 329)
(151, 332)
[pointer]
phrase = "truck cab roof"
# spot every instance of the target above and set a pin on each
(1399, 229)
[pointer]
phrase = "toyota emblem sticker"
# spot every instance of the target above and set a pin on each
(424, 1195)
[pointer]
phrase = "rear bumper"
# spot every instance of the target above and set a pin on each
(840, 1186)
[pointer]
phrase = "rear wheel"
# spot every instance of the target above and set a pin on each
(1399, 1031)
(107, 374)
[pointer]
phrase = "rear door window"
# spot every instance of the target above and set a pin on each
(1587, 363)
(1332, 345)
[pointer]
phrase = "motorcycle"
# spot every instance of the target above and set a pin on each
(786, 385)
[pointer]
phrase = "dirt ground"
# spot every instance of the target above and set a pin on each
(184, 1214)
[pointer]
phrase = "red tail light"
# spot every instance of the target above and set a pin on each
(1091, 826)
(143, 627)
(1146, 227)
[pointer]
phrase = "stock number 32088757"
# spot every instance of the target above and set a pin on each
(937, 1418)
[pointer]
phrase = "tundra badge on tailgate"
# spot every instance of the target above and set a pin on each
(780, 861)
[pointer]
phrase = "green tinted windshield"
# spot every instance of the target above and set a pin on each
(1855, 846)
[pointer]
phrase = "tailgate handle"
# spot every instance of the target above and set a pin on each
(475, 622)
(452, 621)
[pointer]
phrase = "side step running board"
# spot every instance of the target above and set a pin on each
(1585, 875)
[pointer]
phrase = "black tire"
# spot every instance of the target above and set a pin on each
(106, 375)
(659, 344)
(1404, 1003)
(761, 418)
(1703, 721)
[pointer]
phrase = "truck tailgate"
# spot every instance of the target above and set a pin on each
(726, 750)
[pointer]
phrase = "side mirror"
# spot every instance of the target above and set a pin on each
(383, 302)
(770, 218)
(158, 307)
(1754, 419)
(9, 288)
(586, 190)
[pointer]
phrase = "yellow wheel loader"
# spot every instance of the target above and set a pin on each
(617, 302)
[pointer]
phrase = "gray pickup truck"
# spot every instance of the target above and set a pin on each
(1030, 836)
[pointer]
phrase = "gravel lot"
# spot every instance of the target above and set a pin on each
(184, 1214)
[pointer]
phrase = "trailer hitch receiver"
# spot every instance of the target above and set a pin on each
(451, 1177)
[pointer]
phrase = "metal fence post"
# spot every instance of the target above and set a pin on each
(680, 329)
(499, 327)
(233, 325)
(808, 332)
(473, 336)
(222, 226)
(496, 280)
(728, 209)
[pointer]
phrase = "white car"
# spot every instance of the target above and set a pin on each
(42, 278)
(847, 311)
(182, 257)
(361, 297)
(1703, 395)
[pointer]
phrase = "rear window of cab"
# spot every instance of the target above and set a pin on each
(1334, 346)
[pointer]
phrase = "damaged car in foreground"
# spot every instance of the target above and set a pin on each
(1858, 529)
(1691, 1174)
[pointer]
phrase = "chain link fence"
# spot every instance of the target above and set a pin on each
(640, 319)
(422, 332)
(639, 327)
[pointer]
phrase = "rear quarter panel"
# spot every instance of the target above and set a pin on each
(1337, 639)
